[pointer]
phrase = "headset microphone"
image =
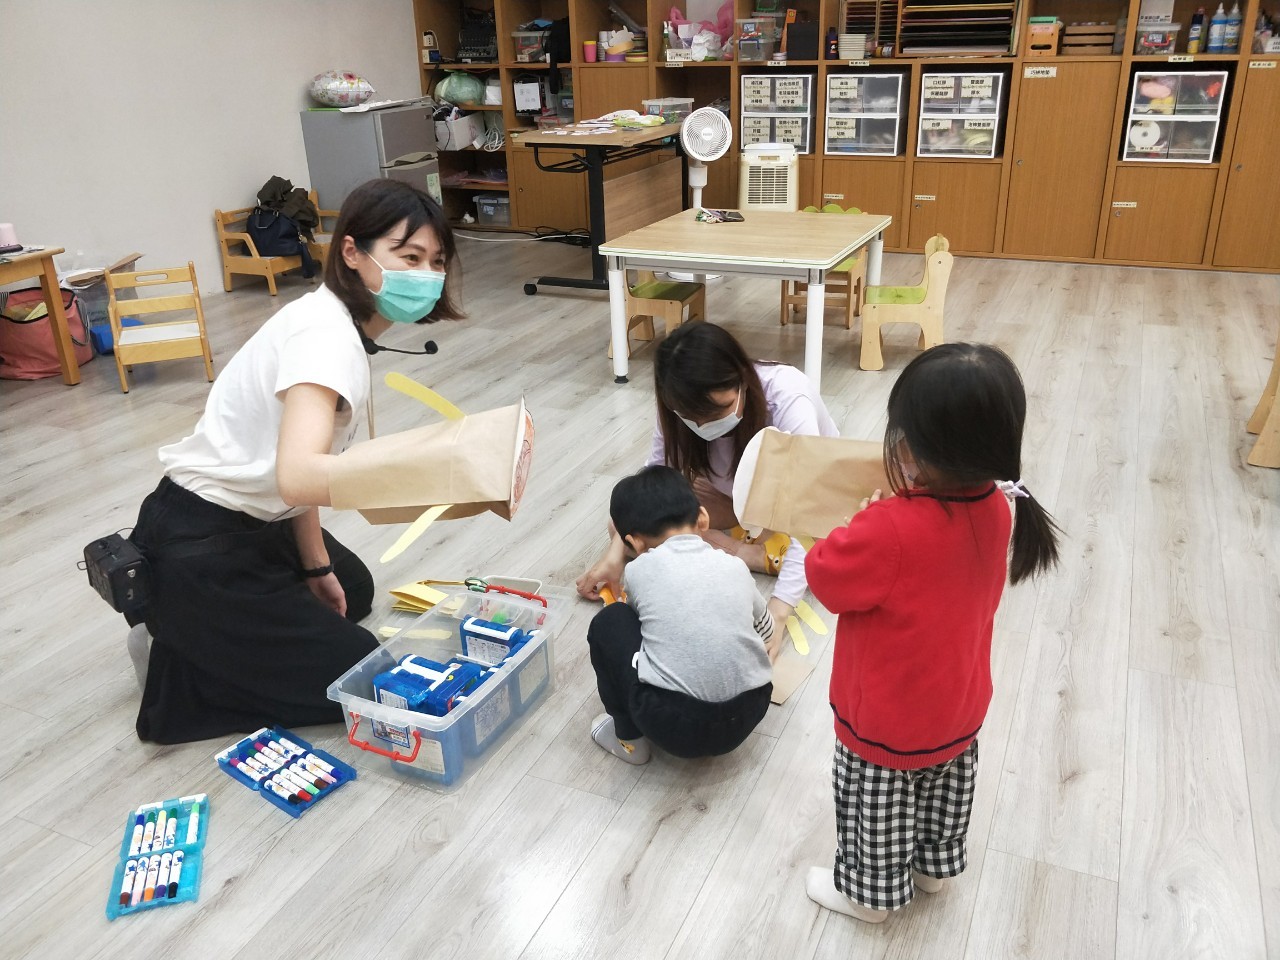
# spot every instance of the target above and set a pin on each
(371, 348)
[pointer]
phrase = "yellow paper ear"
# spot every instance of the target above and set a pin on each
(416, 529)
(412, 388)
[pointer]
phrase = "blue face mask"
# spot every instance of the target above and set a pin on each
(407, 296)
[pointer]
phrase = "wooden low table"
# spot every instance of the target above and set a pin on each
(787, 246)
(1265, 421)
(39, 263)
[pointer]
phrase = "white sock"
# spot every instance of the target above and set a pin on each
(820, 885)
(139, 646)
(629, 751)
(926, 883)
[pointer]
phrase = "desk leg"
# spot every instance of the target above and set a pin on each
(595, 161)
(875, 257)
(816, 301)
(618, 318)
(61, 332)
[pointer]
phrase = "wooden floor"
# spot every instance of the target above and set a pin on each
(1128, 801)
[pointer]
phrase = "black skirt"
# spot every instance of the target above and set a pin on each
(239, 639)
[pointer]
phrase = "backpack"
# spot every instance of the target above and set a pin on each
(275, 235)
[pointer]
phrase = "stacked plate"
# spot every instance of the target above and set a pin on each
(853, 46)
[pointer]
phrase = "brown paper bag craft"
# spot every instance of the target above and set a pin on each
(461, 467)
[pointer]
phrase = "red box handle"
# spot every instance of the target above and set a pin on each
(391, 754)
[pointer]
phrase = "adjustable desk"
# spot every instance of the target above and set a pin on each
(590, 153)
(788, 246)
(25, 266)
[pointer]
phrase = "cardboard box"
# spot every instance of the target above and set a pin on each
(460, 133)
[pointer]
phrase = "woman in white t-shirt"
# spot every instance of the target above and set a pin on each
(712, 399)
(253, 606)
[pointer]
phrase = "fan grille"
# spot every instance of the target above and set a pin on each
(706, 134)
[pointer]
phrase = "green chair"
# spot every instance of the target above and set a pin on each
(650, 297)
(846, 283)
(921, 304)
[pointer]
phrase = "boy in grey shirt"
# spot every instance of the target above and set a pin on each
(683, 662)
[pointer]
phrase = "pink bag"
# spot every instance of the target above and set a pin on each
(26, 346)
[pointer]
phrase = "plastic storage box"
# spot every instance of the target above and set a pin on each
(441, 751)
(530, 45)
(671, 109)
(1156, 40)
(493, 211)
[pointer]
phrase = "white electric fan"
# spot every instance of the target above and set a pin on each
(705, 136)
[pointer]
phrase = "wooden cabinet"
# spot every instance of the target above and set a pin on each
(873, 186)
(1061, 150)
(1160, 214)
(542, 199)
(1249, 232)
(957, 200)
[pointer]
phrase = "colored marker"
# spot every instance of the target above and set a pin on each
(171, 829)
(327, 768)
(174, 873)
(314, 783)
(303, 794)
(255, 764)
(139, 881)
(153, 871)
(248, 771)
(149, 832)
(268, 760)
(280, 791)
(317, 772)
(135, 845)
(162, 818)
(290, 746)
(274, 748)
(193, 824)
(130, 870)
(162, 878)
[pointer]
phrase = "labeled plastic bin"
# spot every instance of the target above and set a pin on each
(671, 109)
(530, 45)
(442, 751)
(493, 211)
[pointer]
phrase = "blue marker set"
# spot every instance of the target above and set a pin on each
(284, 769)
(492, 642)
(416, 683)
(160, 856)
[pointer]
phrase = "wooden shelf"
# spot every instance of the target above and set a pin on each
(460, 66)
(481, 187)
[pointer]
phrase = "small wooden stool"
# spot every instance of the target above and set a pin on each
(1265, 421)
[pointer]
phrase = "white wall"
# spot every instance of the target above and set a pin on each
(125, 123)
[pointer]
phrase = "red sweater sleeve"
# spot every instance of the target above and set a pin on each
(856, 566)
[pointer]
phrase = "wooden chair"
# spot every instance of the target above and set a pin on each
(239, 255)
(163, 340)
(921, 304)
(1265, 421)
(846, 284)
(663, 299)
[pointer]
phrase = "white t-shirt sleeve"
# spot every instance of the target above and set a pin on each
(309, 356)
(657, 447)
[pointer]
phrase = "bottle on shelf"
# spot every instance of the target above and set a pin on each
(1195, 37)
(1217, 31)
(833, 43)
(1231, 37)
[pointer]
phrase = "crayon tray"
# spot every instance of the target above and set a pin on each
(284, 769)
(185, 843)
(442, 751)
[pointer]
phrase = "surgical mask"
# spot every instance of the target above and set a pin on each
(715, 429)
(407, 296)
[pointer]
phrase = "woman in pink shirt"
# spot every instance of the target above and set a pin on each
(712, 399)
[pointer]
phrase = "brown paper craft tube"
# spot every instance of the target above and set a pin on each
(805, 486)
(477, 463)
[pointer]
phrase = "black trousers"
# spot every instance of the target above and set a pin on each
(239, 639)
(681, 725)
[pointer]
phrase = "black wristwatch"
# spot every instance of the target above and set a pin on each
(318, 571)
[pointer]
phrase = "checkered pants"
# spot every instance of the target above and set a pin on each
(890, 822)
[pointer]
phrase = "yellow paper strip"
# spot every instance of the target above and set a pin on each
(419, 595)
(412, 388)
(416, 529)
(797, 636)
(389, 632)
(811, 620)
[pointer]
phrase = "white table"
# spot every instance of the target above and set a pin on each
(786, 246)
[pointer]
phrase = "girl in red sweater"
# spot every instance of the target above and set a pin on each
(915, 579)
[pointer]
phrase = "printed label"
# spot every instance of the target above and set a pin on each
(755, 101)
(925, 196)
(490, 651)
(1037, 73)
(833, 196)
(975, 86)
(756, 87)
(776, 63)
(1181, 58)
(492, 714)
(979, 124)
(842, 127)
(844, 88)
(928, 124)
(674, 64)
(940, 83)
(1262, 64)
(532, 676)
(431, 756)
(859, 63)
(933, 93)
(391, 733)
(1125, 204)
(790, 85)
